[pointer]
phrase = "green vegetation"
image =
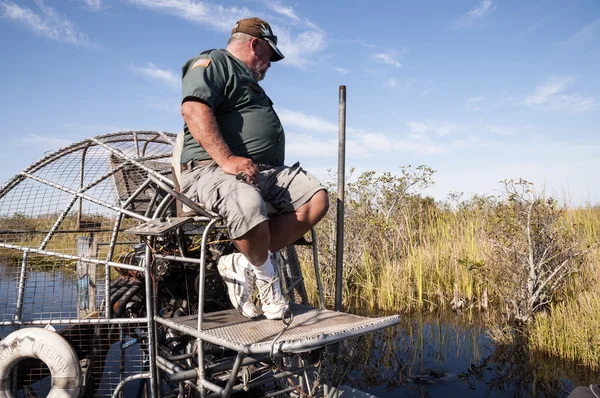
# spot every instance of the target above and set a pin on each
(522, 260)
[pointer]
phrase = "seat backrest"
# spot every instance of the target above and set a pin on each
(176, 159)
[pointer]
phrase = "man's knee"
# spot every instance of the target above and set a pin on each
(315, 209)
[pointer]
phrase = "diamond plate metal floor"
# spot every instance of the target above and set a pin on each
(311, 328)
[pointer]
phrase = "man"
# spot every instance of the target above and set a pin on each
(232, 162)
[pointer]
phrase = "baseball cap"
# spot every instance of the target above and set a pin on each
(261, 29)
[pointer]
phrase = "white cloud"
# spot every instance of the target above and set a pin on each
(419, 137)
(94, 4)
(388, 59)
(551, 96)
(501, 130)
(312, 25)
(364, 145)
(549, 90)
(360, 42)
(313, 137)
(588, 33)
(474, 103)
(391, 83)
(483, 9)
(342, 70)
(430, 127)
(164, 76)
(299, 50)
(48, 23)
(311, 123)
(205, 13)
(303, 121)
(307, 146)
(282, 10)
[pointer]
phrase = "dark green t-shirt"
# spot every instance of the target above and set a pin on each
(244, 112)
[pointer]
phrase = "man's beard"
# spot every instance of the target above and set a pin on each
(260, 70)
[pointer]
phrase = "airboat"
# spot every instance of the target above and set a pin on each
(109, 288)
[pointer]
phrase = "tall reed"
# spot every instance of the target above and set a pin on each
(421, 256)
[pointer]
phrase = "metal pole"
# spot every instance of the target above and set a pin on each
(148, 273)
(81, 179)
(21, 294)
(313, 234)
(341, 183)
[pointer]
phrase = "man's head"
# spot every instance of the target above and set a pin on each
(253, 41)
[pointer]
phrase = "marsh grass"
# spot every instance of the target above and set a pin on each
(423, 256)
(31, 231)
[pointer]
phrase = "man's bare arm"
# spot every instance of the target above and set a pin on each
(203, 126)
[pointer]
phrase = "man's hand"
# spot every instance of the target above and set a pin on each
(203, 126)
(243, 168)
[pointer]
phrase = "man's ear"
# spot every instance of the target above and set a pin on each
(254, 43)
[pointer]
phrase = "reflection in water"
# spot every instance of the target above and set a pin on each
(443, 358)
(47, 293)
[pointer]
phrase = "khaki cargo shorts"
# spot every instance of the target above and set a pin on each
(281, 189)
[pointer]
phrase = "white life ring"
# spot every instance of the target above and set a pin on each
(50, 348)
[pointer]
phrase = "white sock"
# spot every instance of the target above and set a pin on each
(266, 270)
(242, 260)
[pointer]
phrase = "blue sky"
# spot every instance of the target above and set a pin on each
(479, 90)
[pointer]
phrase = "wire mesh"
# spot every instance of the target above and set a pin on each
(60, 222)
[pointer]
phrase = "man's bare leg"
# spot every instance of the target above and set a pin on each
(254, 244)
(273, 235)
(285, 229)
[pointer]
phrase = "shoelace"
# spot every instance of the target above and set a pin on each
(249, 280)
(265, 290)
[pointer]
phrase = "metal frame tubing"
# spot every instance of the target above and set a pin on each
(86, 197)
(73, 257)
(21, 293)
(201, 371)
(164, 204)
(137, 376)
(73, 321)
(109, 254)
(313, 234)
(172, 369)
(151, 335)
(234, 371)
(275, 376)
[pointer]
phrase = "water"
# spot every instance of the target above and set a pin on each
(450, 357)
(430, 356)
(52, 294)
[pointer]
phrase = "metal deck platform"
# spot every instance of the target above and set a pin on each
(311, 328)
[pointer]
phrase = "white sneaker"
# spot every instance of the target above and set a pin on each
(240, 282)
(274, 304)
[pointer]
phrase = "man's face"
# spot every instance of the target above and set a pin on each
(262, 53)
